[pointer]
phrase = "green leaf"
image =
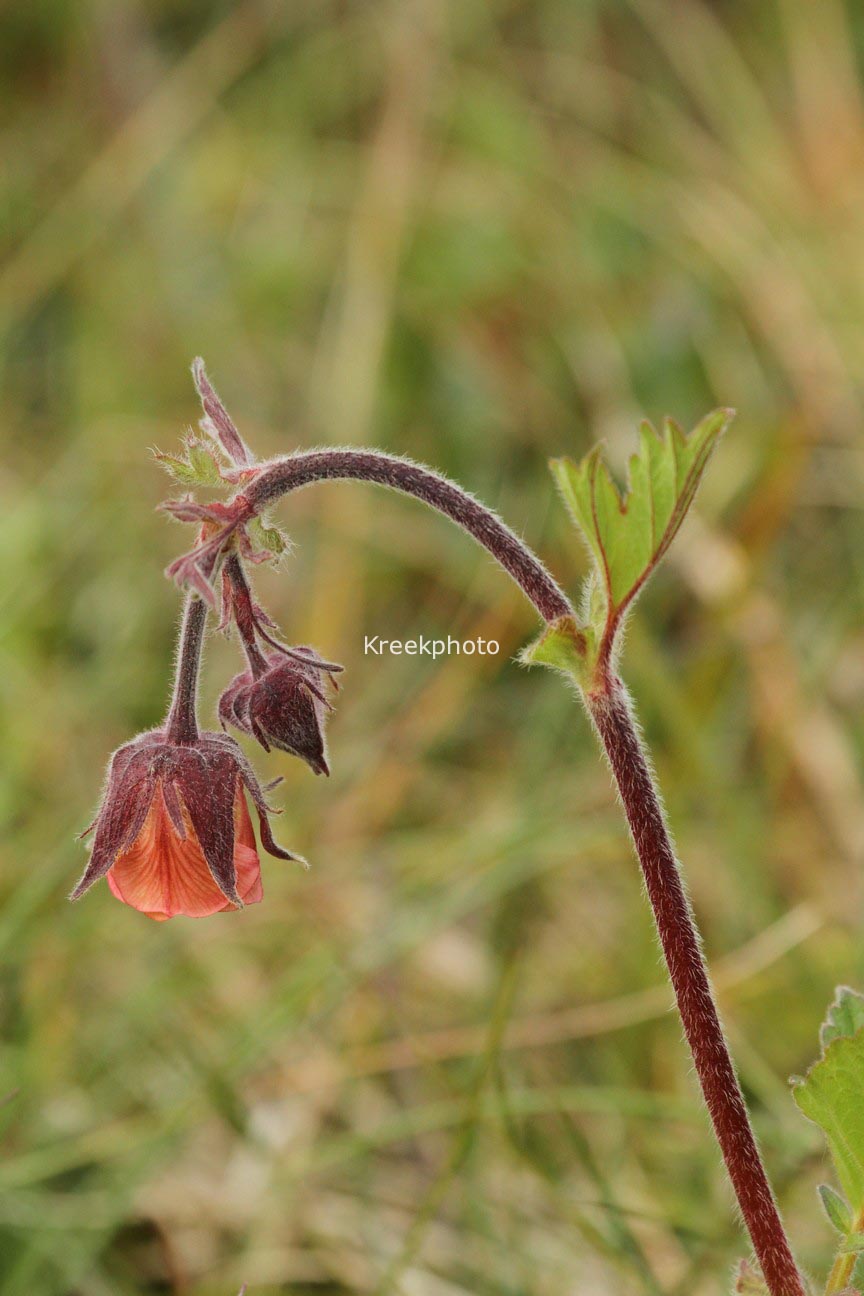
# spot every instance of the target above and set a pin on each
(628, 535)
(830, 1093)
(202, 463)
(837, 1209)
(856, 1285)
(175, 467)
(562, 645)
(268, 539)
(197, 467)
(845, 1016)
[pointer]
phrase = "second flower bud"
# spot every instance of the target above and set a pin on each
(286, 706)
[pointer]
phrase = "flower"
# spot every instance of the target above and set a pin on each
(173, 833)
(285, 706)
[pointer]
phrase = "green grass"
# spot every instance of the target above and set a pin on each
(480, 234)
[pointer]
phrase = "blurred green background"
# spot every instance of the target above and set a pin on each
(480, 232)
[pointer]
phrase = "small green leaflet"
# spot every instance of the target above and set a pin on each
(268, 539)
(562, 645)
(629, 535)
(831, 1092)
(845, 1016)
(836, 1209)
(198, 467)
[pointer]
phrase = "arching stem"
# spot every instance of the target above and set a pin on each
(613, 719)
(284, 475)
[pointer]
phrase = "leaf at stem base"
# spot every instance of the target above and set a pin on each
(562, 645)
(830, 1093)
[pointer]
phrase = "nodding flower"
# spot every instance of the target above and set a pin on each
(173, 832)
(284, 705)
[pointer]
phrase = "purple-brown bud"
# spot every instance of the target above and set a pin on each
(173, 833)
(285, 706)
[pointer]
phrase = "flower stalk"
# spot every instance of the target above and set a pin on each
(281, 699)
(608, 706)
(612, 717)
(181, 726)
(242, 608)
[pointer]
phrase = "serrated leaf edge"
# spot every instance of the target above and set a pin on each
(594, 462)
(712, 426)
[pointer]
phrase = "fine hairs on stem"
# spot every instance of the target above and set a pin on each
(611, 713)
(182, 724)
(613, 719)
(567, 645)
(301, 469)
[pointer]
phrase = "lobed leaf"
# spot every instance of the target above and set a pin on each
(197, 467)
(830, 1093)
(845, 1016)
(628, 535)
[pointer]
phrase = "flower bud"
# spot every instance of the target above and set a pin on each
(285, 706)
(173, 832)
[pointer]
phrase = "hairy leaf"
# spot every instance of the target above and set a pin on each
(561, 646)
(197, 467)
(837, 1209)
(845, 1016)
(830, 1093)
(268, 539)
(629, 534)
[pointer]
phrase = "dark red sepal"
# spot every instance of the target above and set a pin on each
(285, 707)
(200, 779)
(129, 788)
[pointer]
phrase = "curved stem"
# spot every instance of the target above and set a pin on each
(181, 726)
(676, 927)
(283, 475)
(609, 709)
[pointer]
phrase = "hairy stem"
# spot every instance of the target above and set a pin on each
(610, 711)
(181, 726)
(612, 716)
(244, 614)
(294, 471)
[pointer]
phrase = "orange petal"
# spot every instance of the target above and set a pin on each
(163, 875)
(246, 863)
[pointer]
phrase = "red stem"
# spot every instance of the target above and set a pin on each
(181, 726)
(244, 615)
(282, 475)
(609, 708)
(611, 713)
